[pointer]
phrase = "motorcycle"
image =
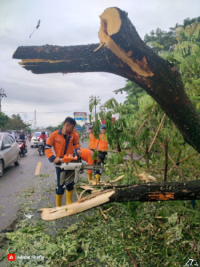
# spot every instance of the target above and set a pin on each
(41, 146)
(22, 147)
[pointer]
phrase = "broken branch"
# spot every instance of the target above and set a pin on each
(143, 124)
(105, 217)
(132, 259)
(154, 139)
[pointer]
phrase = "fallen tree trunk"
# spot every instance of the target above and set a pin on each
(140, 192)
(122, 52)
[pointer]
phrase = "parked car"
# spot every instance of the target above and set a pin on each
(9, 151)
(34, 139)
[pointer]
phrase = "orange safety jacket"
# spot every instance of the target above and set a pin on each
(61, 145)
(102, 142)
(92, 141)
(86, 155)
(76, 133)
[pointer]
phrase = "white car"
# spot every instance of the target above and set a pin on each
(34, 139)
(9, 151)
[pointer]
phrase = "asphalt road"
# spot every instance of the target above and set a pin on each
(17, 180)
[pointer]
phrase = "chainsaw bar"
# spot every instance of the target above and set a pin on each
(91, 167)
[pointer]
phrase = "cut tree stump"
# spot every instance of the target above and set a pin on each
(122, 52)
(139, 192)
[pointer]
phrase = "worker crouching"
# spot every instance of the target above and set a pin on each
(86, 155)
(63, 141)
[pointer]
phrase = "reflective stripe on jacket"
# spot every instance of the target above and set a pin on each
(102, 142)
(61, 145)
(92, 141)
(86, 155)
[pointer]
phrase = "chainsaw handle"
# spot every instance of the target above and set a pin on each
(55, 164)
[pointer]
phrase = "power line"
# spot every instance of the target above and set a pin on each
(81, 108)
(16, 105)
(12, 105)
(100, 92)
(6, 103)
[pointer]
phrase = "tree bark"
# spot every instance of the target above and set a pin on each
(157, 192)
(140, 192)
(122, 52)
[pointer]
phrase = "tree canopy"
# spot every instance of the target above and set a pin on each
(3, 120)
(140, 107)
(14, 122)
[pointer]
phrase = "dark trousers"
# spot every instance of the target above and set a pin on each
(104, 153)
(60, 189)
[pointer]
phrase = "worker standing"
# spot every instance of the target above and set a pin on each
(63, 141)
(102, 144)
(92, 139)
(86, 155)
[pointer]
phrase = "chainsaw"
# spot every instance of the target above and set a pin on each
(72, 166)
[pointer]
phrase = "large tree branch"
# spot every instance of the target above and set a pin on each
(122, 52)
(53, 59)
(140, 192)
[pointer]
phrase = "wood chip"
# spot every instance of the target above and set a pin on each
(117, 180)
(77, 195)
(105, 211)
(105, 217)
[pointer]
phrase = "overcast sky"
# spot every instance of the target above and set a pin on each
(66, 22)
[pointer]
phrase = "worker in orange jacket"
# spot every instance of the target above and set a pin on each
(102, 144)
(86, 155)
(63, 141)
(77, 134)
(92, 139)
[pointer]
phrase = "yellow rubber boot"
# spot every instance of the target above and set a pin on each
(89, 177)
(58, 200)
(69, 197)
(97, 178)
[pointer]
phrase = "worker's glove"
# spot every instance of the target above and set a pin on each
(78, 151)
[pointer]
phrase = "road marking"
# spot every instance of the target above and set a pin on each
(37, 171)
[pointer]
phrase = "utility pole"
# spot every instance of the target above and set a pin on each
(2, 94)
(35, 119)
(31, 121)
(95, 98)
(25, 114)
(95, 103)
